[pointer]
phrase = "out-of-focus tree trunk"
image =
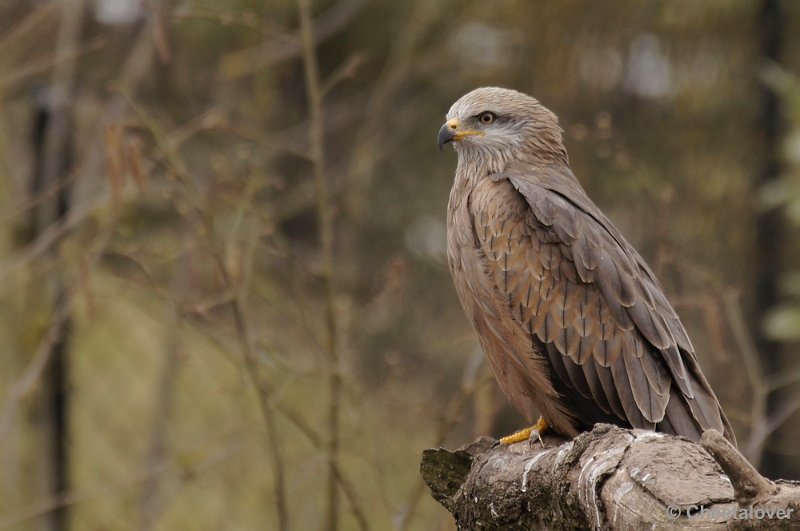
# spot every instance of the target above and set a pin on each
(771, 237)
(50, 190)
(49, 296)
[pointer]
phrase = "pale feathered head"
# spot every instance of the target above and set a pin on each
(500, 125)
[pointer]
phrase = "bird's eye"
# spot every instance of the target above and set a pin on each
(487, 117)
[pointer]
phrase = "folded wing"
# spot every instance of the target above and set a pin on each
(617, 351)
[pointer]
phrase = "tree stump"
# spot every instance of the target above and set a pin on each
(609, 478)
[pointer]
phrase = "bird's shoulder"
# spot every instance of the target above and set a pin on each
(557, 201)
(558, 225)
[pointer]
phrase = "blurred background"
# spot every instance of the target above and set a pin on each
(224, 297)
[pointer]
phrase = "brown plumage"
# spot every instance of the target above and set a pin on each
(573, 321)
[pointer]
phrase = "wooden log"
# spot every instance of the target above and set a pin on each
(609, 478)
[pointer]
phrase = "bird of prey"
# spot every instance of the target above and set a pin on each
(574, 322)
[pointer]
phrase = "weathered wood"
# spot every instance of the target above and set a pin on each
(609, 478)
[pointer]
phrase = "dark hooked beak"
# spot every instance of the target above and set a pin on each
(452, 131)
(446, 134)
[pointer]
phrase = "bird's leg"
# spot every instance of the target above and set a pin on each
(528, 433)
(540, 427)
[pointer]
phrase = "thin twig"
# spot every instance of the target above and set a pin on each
(52, 235)
(404, 58)
(26, 27)
(37, 67)
(32, 375)
(296, 419)
(450, 417)
(758, 412)
(759, 436)
(783, 380)
(204, 225)
(267, 402)
(263, 390)
(325, 224)
(286, 45)
(751, 357)
(108, 490)
(346, 70)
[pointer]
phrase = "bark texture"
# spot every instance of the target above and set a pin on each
(609, 478)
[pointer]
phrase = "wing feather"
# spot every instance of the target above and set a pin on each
(592, 307)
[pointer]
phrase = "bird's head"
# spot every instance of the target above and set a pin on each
(501, 125)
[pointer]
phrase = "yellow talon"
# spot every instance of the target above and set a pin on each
(526, 434)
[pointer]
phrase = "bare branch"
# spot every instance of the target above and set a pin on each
(748, 485)
(325, 223)
(108, 490)
(288, 46)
